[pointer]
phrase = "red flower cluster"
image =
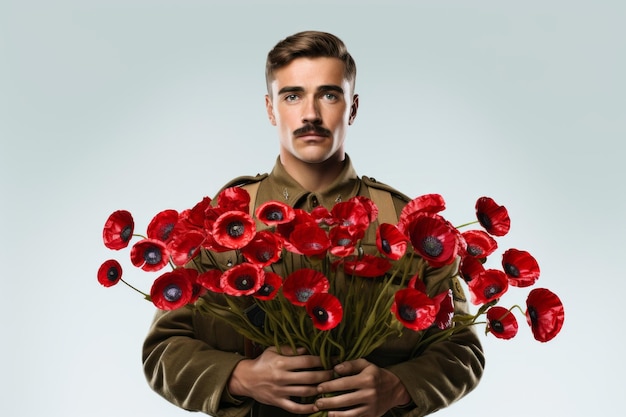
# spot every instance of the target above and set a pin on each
(331, 239)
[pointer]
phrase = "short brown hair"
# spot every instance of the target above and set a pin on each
(308, 44)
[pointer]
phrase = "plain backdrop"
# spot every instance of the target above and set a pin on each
(146, 105)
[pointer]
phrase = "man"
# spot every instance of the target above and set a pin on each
(200, 363)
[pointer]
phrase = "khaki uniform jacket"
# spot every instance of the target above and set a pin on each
(188, 356)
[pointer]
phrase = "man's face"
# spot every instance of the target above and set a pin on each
(312, 104)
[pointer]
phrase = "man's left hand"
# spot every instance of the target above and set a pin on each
(362, 389)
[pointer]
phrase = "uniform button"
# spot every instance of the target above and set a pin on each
(314, 201)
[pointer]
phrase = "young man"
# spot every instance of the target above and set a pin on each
(200, 363)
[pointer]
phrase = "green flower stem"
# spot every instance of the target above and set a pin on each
(374, 323)
(146, 296)
(466, 224)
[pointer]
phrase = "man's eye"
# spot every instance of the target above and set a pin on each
(330, 96)
(291, 97)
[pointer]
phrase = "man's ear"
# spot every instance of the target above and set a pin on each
(353, 109)
(270, 110)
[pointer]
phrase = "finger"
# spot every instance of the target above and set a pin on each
(349, 400)
(351, 367)
(309, 378)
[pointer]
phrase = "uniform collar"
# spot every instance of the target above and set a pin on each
(345, 186)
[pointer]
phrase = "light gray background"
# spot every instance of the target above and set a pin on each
(145, 105)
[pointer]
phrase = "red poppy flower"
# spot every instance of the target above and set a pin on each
(343, 240)
(427, 203)
(309, 240)
(434, 239)
(325, 310)
(303, 283)
(161, 225)
(479, 243)
(443, 320)
(234, 199)
(211, 280)
(270, 287)
(272, 213)
(322, 216)
(544, 314)
(521, 268)
(118, 230)
(109, 273)
(493, 217)
(242, 279)
(501, 322)
(264, 249)
(234, 229)
(488, 286)
(367, 266)
(173, 289)
(470, 268)
(301, 218)
(351, 213)
(196, 214)
(369, 205)
(197, 289)
(149, 255)
(390, 241)
(184, 247)
(416, 283)
(414, 309)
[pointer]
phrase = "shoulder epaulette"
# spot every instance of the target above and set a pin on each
(244, 180)
(371, 182)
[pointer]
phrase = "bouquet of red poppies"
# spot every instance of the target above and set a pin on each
(289, 277)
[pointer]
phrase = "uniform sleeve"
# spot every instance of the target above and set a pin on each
(188, 357)
(446, 370)
(186, 370)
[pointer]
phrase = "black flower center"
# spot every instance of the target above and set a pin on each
(407, 313)
(126, 233)
(511, 269)
(484, 220)
(497, 326)
(266, 290)
(320, 314)
(113, 274)
(274, 215)
(386, 247)
(263, 255)
(244, 282)
(303, 294)
(344, 242)
(432, 246)
(166, 231)
(235, 229)
(534, 317)
(313, 246)
(474, 250)
(152, 256)
(491, 291)
(172, 293)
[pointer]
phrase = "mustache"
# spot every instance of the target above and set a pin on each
(311, 128)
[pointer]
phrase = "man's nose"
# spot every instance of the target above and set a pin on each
(311, 113)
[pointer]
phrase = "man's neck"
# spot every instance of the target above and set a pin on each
(314, 177)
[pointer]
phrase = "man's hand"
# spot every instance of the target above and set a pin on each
(362, 389)
(274, 378)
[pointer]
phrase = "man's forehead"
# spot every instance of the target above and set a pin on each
(311, 74)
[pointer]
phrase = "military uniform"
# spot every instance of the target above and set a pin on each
(188, 356)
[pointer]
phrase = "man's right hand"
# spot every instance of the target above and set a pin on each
(274, 378)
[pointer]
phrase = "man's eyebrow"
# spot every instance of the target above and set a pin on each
(289, 89)
(321, 88)
(330, 87)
